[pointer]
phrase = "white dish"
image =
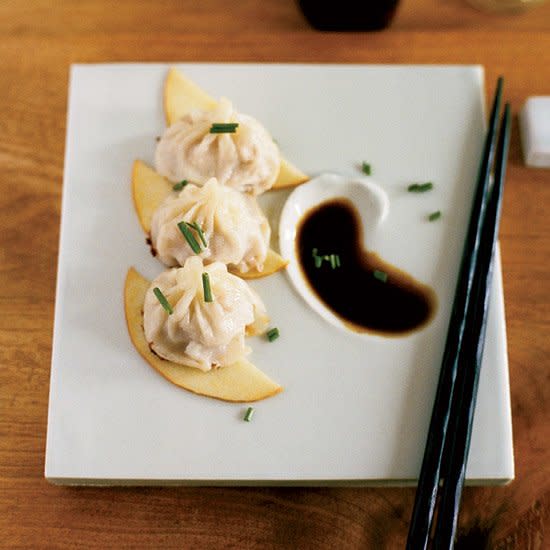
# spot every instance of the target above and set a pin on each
(354, 409)
(368, 197)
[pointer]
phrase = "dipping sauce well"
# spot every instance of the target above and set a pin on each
(352, 292)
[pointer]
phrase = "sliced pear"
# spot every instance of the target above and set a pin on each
(289, 176)
(182, 95)
(273, 262)
(240, 382)
(149, 190)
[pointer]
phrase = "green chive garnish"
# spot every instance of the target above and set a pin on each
(180, 185)
(200, 232)
(316, 258)
(162, 299)
(206, 288)
(420, 187)
(248, 414)
(333, 259)
(380, 275)
(224, 124)
(434, 215)
(224, 127)
(365, 168)
(272, 334)
(189, 237)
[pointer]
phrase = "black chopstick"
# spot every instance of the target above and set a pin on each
(428, 482)
(457, 445)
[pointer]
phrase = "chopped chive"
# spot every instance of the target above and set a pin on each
(224, 127)
(206, 287)
(272, 334)
(248, 414)
(180, 185)
(200, 232)
(420, 187)
(224, 124)
(333, 259)
(162, 299)
(231, 130)
(380, 275)
(434, 215)
(316, 258)
(366, 168)
(189, 237)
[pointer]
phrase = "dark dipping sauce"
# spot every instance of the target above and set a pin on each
(352, 292)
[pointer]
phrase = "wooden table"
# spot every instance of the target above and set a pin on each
(38, 44)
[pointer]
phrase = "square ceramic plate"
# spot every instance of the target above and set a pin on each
(355, 408)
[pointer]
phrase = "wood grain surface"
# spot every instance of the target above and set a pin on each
(40, 39)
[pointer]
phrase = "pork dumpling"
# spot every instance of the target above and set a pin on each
(234, 228)
(247, 159)
(198, 333)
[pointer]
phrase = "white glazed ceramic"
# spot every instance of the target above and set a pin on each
(354, 408)
(367, 196)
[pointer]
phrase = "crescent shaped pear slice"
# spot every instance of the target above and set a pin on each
(240, 382)
(150, 189)
(182, 95)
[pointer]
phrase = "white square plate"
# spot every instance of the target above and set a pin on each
(355, 407)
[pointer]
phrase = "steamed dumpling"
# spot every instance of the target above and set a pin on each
(202, 334)
(247, 160)
(235, 228)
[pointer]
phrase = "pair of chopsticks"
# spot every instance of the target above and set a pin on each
(444, 464)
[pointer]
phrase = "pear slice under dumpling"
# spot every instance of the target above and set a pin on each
(182, 95)
(149, 189)
(273, 262)
(241, 382)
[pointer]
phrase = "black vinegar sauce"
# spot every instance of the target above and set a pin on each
(352, 291)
